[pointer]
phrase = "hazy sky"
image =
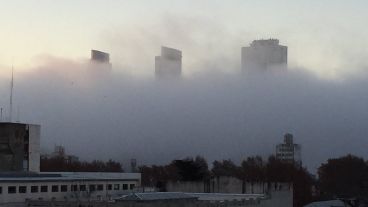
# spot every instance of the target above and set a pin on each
(323, 36)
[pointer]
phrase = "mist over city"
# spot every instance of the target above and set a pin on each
(95, 111)
(209, 103)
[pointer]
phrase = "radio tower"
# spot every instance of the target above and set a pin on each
(11, 96)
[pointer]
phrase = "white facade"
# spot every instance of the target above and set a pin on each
(67, 186)
(34, 148)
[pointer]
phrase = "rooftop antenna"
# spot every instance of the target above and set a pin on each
(11, 95)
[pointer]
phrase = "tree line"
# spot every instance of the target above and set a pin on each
(344, 177)
(60, 164)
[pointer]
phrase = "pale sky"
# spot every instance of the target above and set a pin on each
(327, 37)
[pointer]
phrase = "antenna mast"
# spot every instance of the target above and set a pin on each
(11, 95)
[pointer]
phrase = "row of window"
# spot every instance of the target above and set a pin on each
(64, 188)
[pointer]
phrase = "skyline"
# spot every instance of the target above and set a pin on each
(320, 97)
(318, 34)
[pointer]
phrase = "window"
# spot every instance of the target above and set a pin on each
(100, 187)
(22, 189)
(12, 189)
(44, 188)
(125, 186)
(63, 188)
(109, 187)
(82, 187)
(55, 188)
(92, 188)
(132, 186)
(74, 188)
(1, 190)
(116, 187)
(34, 189)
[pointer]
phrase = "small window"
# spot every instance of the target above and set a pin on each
(92, 188)
(34, 189)
(55, 188)
(1, 190)
(82, 187)
(22, 189)
(100, 187)
(74, 188)
(109, 187)
(125, 186)
(12, 189)
(44, 189)
(63, 188)
(116, 186)
(132, 186)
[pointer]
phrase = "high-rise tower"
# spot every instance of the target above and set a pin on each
(169, 63)
(263, 55)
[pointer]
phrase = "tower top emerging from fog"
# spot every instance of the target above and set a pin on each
(169, 63)
(262, 55)
(99, 56)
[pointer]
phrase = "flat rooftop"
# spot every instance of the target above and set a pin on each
(67, 176)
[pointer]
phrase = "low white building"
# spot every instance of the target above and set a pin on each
(66, 186)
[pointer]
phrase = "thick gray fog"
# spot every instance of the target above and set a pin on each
(97, 114)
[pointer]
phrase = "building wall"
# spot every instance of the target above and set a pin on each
(34, 148)
(19, 147)
(69, 195)
(169, 64)
(227, 185)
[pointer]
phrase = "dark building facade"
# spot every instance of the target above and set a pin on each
(19, 147)
(99, 56)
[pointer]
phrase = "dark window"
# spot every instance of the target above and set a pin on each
(82, 187)
(1, 190)
(44, 188)
(116, 187)
(74, 188)
(92, 188)
(132, 186)
(63, 188)
(22, 189)
(34, 189)
(100, 187)
(55, 188)
(12, 189)
(125, 186)
(109, 187)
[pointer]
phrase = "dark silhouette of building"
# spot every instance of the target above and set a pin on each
(19, 147)
(289, 151)
(99, 56)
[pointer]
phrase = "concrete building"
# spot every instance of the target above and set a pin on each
(19, 188)
(19, 147)
(263, 55)
(169, 64)
(21, 179)
(100, 57)
(289, 151)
